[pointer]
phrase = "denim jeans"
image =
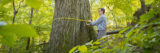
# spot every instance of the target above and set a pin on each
(101, 33)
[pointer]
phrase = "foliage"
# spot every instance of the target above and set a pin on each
(143, 37)
(41, 24)
(11, 33)
(34, 3)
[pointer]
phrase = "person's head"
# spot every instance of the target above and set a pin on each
(101, 11)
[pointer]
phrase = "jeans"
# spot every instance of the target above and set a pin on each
(101, 33)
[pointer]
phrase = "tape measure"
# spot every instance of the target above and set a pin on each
(72, 19)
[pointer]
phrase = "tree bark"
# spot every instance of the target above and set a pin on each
(67, 33)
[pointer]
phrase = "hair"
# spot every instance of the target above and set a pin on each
(102, 9)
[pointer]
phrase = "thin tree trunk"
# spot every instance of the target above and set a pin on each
(28, 43)
(10, 50)
(67, 33)
(15, 11)
(30, 22)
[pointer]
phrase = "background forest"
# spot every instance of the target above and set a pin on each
(33, 26)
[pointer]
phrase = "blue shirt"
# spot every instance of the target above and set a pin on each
(100, 23)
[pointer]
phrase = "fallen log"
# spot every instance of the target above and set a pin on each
(112, 32)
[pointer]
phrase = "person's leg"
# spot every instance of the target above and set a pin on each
(101, 33)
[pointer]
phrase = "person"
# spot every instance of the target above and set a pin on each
(100, 23)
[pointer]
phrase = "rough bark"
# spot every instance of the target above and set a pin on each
(67, 33)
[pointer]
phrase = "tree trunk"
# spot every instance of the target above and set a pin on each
(30, 22)
(15, 11)
(67, 33)
(144, 9)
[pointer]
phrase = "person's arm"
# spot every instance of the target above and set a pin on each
(97, 21)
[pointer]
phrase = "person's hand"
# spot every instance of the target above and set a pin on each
(97, 33)
(88, 24)
(89, 21)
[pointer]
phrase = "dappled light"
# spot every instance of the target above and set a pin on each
(79, 26)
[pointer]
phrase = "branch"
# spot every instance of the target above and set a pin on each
(15, 11)
(14, 6)
(20, 5)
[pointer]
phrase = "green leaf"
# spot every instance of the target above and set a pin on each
(89, 43)
(82, 48)
(97, 42)
(34, 3)
(11, 33)
(3, 2)
(130, 33)
(73, 49)
(124, 30)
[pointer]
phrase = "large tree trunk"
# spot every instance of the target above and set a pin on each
(67, 33)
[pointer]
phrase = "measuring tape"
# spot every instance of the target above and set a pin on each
(72, 19)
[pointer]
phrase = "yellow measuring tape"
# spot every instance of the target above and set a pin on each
(72, 19)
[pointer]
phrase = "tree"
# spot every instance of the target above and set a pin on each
(15, 11)
(30, 22)
(144, 9)
(62, 39)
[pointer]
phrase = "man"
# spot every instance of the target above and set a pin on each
(100, 23)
